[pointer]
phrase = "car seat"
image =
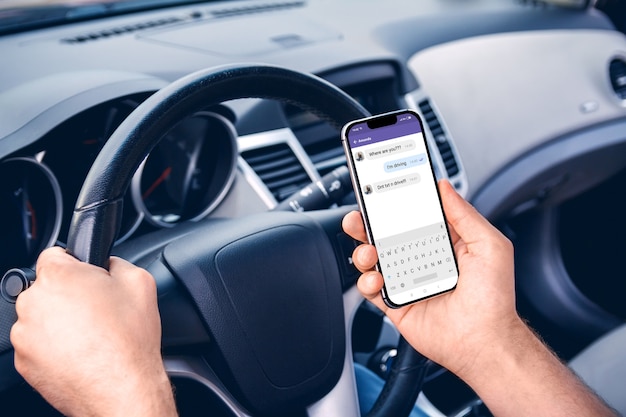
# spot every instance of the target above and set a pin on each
(602, 365)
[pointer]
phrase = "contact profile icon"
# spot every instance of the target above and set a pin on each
(359, 156)
(367, 189)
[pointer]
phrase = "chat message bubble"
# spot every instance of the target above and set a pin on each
(408, 162)
(395, 183)
(388, 150)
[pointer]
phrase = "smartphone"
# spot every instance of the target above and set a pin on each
(396, 189)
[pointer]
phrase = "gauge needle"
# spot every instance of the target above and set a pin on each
(157, 182)
(29, 222)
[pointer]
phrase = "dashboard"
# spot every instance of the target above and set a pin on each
(524, 104)
(82, 80)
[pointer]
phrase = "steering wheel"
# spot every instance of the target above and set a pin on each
(263, 301)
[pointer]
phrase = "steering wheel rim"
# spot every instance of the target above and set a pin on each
(97, 215)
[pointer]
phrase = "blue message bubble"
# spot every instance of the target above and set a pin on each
(408, 162)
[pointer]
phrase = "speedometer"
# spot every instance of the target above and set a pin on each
(188, 173)
(30, 212)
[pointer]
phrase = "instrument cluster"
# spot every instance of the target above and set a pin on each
(183, 178)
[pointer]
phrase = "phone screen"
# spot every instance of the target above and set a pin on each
(399, 200)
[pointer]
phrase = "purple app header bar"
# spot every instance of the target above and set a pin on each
(361, 135)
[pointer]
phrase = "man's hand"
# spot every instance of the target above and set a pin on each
(89, 340)
(484, 294)
(475, 330)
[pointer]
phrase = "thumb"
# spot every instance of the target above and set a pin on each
(466, 221)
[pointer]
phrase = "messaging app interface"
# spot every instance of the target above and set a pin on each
(403, 209)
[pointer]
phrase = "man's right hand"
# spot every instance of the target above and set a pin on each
(482, 303)
(475, 331)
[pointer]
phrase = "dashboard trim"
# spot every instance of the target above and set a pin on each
(529, 175)
(135, 186)
(55, 228)
(265, 139)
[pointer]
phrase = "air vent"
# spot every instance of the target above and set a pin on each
(124, 30)
(617, 73)
(441, 139)
(326, 155)
(279, 168)
(195, 15)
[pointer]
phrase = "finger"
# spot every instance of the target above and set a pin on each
(352, 224)
(454, 236)
(121, 268)
(365, 257)
(137, 278)
(52, 264)
(53, 257)
(467, 223)
(369, 285)
(56, 262)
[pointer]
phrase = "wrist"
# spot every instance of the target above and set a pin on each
(500, 366)
(148, 393)
(157, 397)
(485, 351)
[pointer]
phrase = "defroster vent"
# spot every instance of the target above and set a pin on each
(279, 168)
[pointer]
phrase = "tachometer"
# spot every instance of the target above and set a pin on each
(189, 171)
(30, 212)
(72, 147)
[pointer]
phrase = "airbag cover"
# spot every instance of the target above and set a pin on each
(270, 294)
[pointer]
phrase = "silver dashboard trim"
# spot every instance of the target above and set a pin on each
(269, 138)
(219, 197)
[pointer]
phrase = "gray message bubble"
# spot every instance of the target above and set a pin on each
(395, 183)
(389, 150)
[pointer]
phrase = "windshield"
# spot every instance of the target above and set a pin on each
(18, 15)
(21, 15)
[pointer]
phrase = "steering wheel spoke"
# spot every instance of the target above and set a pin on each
(196, 369)
(343, 398)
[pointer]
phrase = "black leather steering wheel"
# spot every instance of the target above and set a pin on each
(267, 289)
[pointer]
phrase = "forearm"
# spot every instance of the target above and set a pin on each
(158, 401)
(519, 376)
(152, 395)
